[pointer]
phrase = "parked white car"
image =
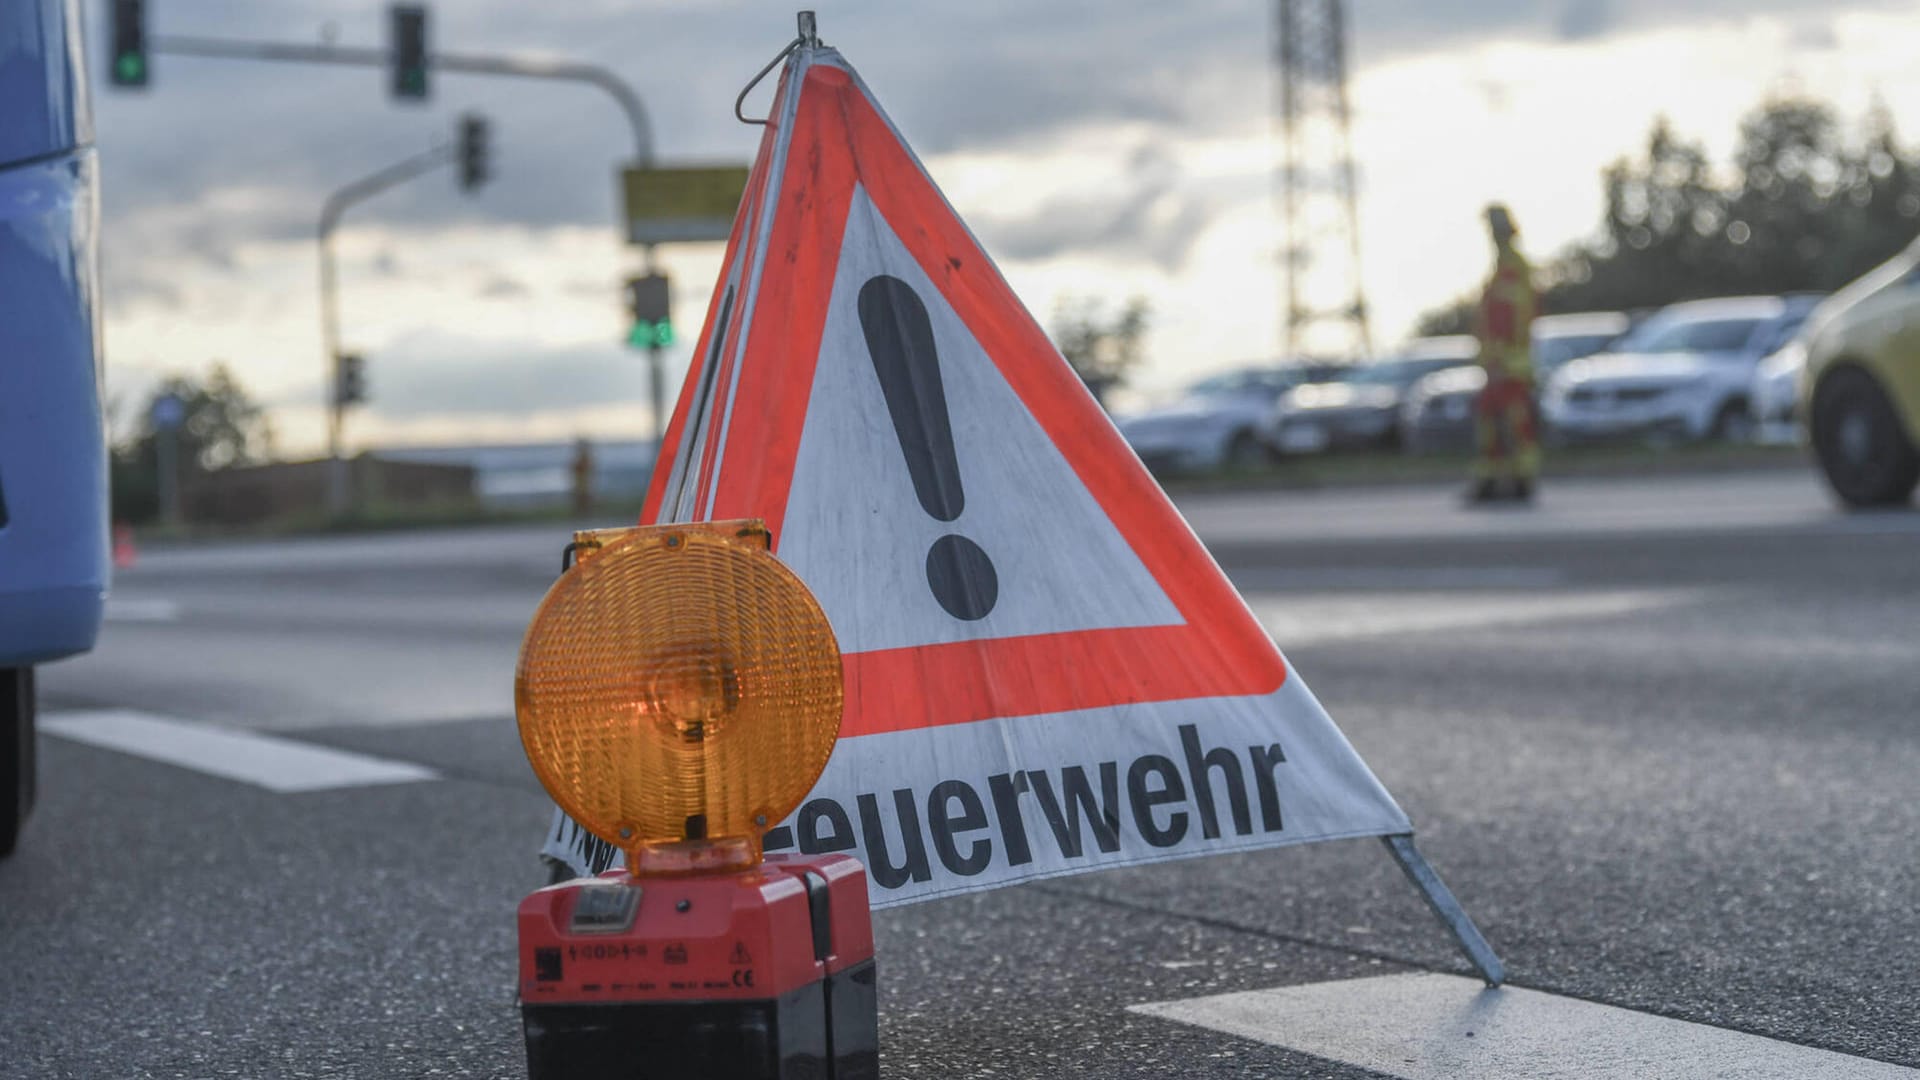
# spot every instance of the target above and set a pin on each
(1685, 373)
(1774, 397)
(1558, 339)
(1216, 421)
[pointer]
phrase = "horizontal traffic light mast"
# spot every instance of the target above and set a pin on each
(409, 60)
(142, 44)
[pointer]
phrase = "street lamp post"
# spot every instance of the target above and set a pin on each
(339, 495)
(168, 413)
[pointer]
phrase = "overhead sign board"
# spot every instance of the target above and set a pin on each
(681, 203)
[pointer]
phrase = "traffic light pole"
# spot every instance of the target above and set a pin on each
(338, 495)
(524, 67)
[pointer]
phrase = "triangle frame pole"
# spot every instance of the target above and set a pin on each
(1446, 907)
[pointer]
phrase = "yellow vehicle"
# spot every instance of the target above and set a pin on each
(1861, 390)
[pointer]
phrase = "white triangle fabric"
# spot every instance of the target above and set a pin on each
(856, 533)
(1070, 705)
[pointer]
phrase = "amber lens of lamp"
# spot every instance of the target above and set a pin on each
(679, 691)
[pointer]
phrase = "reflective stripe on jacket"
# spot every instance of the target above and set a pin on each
(1504, 320)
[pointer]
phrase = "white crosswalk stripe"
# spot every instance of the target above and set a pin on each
(141, 609)
(269, 761)
(1303, 619)
(1445, 1027)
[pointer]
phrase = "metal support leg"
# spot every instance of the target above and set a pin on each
(1441, 900)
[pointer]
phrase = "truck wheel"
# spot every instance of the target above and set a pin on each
(1857, 437)
(16, 754)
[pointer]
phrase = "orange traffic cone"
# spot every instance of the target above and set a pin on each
(124, 553)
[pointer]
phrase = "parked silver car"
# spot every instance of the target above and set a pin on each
(1437, 414)
(1774, 396)
(1560, 338)
(1363, 408)
(1216, 421)
(1685, 373)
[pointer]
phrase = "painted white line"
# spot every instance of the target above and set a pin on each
(1307, 579)
(141, 609)
(1300, 619)
(1446, 1027)
(268, 761)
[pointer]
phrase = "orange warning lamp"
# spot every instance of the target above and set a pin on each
(679, 692)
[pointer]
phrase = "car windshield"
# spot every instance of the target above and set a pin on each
(1272, 382)
(1783, 331)
(1399, 372)
(1553, 351)
(1236, 382)
(1691, 335)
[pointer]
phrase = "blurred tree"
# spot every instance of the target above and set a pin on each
(1454, 318)
(1803, 207)
(1662, 215)
(221, 427)
(1102, 348)
(1784, 216)
(1882, 190)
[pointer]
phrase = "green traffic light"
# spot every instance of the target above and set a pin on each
(130, 67)
(650, 335)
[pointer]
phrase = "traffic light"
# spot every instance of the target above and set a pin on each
(129, 63)
(650, 302)
(472, 151)
(350, 380)
(409, 23)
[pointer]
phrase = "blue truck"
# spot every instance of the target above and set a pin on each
(54, 551)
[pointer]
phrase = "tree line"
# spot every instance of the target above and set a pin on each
(1807, 204)
(220, 426)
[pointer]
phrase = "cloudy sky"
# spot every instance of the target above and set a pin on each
(1098, 148)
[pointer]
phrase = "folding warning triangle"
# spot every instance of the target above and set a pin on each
(1045, 670)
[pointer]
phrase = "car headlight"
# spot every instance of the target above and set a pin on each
(1786, 363)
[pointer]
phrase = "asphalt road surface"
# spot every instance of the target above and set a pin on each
(1662, 738)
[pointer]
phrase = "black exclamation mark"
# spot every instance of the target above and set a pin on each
(900, 340)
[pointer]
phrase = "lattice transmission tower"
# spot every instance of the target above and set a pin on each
(1325, 310)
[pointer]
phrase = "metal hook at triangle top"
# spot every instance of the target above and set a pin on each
(809, 38)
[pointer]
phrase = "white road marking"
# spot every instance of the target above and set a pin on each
(142, 609)
(1301, 619)
(1766, 500)
(1306, 579)
(268, 761)
(1446, 1027)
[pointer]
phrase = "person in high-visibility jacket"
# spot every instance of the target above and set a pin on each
(1508, 463)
